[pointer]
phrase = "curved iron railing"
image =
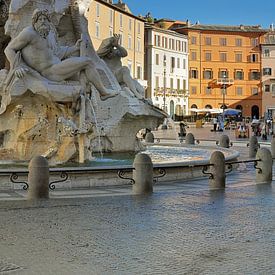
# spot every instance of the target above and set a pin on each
(159, 172)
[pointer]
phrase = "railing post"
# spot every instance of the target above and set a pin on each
(190, 139)
(217, 169)
(253, 146)
(142, 175)
(38, 178)
(224, 141)
(264, 166)
(273, 147)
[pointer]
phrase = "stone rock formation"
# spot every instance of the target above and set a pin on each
(64, 119)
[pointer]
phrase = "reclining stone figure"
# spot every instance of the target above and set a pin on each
(35, 51)
(111, 52)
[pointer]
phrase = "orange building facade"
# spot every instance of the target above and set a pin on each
(225, 67)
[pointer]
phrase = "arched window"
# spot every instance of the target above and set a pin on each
(208, 106)
(194, 106)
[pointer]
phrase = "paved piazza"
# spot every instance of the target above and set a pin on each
(182, 228)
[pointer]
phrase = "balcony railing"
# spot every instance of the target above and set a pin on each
(171, 92)
(224, 81)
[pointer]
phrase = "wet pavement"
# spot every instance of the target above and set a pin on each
(182, 228)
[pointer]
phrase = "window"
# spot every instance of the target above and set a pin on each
(111, 17)
(208, 41)
(194, 73)
(194, 56)
(97, 10)
(267, 88)
(157, 59)
(184, 47)
(129, 42)
(223, 73)
(120, 20)
(193, 90)
(173, 63)
(193, 40)
(239, 91)
(223, 42)
(139, 72)
(111, 32)
(273, 89)
(157, 40)
(208, 91)
(238, 57)
(266, 53)
(178, 63)
(178, 85)
(238, 42)
(184, 63)
(138, 28)
(223, 56)
(157, 82)
(165, 42)
(171, 84)
(208, 56)
(97, 30)
(254, 90)
(267, 71)
(178, 48)
(207, 74)
(130, 24)
(239, 75)
(173, 44)
(254, 75)
(254, 57)
(254, 42)
(138, 45)
(184, 85)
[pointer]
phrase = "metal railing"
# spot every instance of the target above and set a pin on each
(158, 170)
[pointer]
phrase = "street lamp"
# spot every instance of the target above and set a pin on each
(164, 125)
(223, 93)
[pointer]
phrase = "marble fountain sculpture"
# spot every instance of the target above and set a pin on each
(60, 98)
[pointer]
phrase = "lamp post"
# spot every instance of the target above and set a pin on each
(164, 125)
(223, 94)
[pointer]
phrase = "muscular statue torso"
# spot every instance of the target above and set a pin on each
(37, 53)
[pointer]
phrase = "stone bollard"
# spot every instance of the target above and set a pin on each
(218, 171)
(189, 139)
(149, 137)
(265, 164)
(38, 178)
(142, 175)
(273, 147)
(253, 146)
(224, 141)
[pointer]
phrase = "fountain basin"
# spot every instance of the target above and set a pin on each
(180, 162)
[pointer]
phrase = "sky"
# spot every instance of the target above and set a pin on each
(217, 12)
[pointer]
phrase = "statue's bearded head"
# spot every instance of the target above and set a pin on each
(41, 22)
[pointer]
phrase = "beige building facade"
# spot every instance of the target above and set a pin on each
(268, 75)
(106, 18)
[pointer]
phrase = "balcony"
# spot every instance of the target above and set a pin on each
(216, 83)
(224, 81)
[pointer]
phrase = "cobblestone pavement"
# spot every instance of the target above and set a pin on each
(182, 228)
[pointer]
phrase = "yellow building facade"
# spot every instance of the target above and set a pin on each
(225, 67)
(106, 18)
